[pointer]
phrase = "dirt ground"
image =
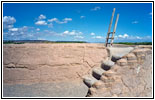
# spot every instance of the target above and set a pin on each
(33, 69)
(43, 63)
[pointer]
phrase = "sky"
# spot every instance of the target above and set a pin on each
(77, 21)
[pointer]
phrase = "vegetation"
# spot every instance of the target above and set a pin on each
(45, 41)
(38, 41)
(12, 42)
(135, 43)
(70, 42)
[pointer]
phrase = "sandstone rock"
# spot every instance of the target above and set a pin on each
(98, 85)
(122, 62)
(120, 51)
(52, 62)
(107, 64)
(92, 90)
(116, 57)
(125, 89)
(109, 73)
(138, 51)
(116, 88)
(107, 79)
(132, 63)
(131, 56)
(114, 95)
(115, 68)
(97, 72)
(89, 80)
(11, 65)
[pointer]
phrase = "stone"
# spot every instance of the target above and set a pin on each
(11, 65)
(115, 68)
(116, 57)
(98, 85)
(89, 80)
(97, 72)
(92, 90)
(116, 88)
(114, 95)
(107, 64)
(109, 73)
(131, 56)
(122, 62)
(132, 63)
(138, 51)
(62, 89)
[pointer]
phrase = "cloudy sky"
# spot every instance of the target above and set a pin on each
(76, 21)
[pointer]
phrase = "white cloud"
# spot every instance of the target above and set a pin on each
(41, 22)
(138, 37)
(123, 36)
(42, 17)
(92, 33)
(66, 32)
(50, 25)
(135, 22)
(24, 32)
(78, 37)
(71, 33)
(82, 17)
(8, 22)
(13, 29)
(53, 19)
(150, 13)
(65, 20)
(6, 26)
(126, 36)
(96, 8)
(98, 37)
(37, 29)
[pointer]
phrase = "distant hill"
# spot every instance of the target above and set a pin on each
(38, 41)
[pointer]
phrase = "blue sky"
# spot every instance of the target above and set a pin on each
(76, 21)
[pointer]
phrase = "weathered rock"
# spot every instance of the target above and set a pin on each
(132, 63)
(116, 57)
(97, 72)
(50, 62)
(119, 52)
(132, 80)
(92, 90)
(138, 51)
(89, 80)
(62, 89)
(98, 85)
(109, 73)
(122, 62)
(131, 56)
(107, 64)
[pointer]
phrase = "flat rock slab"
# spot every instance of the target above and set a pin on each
(119, 51)
(63, 89)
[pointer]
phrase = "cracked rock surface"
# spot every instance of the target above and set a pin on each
(131, 79)
(43, 65)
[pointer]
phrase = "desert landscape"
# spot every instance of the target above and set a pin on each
(73, 50)
(60, 70)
